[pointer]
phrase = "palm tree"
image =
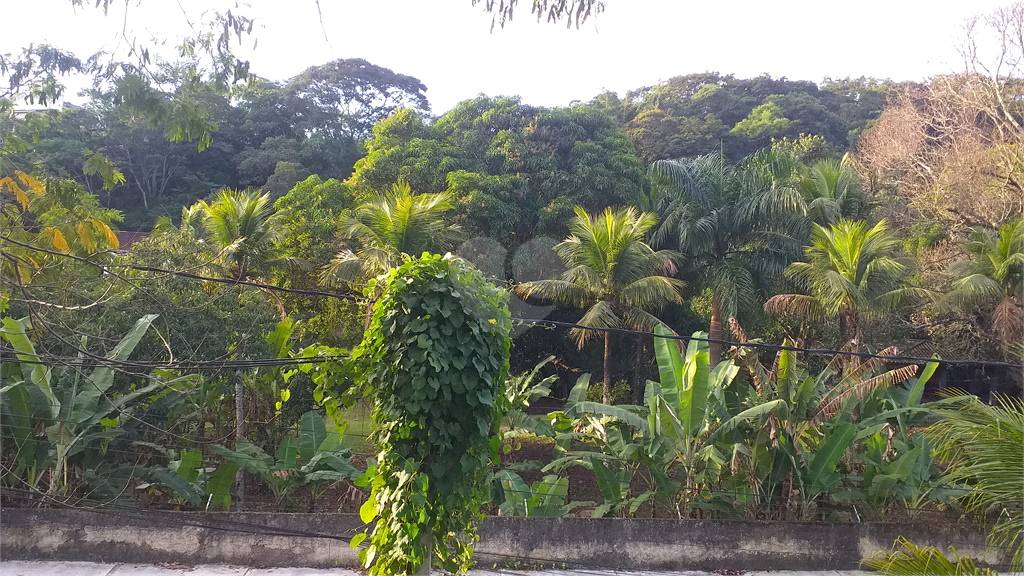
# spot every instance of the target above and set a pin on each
(613, 274)
(733, 225)
(850, 272)
(830, 191)
(389, 228)
(239, 224)
(982, 447)
(992, 280)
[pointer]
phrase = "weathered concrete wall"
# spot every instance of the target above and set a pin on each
(153, 536)
(321, 540)
(711, 545)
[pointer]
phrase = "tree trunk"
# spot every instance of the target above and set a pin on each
(427, 539)
(277, 302)
(638, 391)
(607, 368)
(715, 332)
(849, 329)
(240, 432)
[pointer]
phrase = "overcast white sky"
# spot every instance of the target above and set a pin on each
(448, 44)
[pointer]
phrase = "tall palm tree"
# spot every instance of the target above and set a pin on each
(611, 273)
(240, 225)
(850, 273)
(992, 280)
(387, 230)
(390, 228)
(830, 191)
(732, 224)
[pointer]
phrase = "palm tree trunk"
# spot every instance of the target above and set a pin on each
(641, 348)
(240, 434)
(715, 332)
(607, 368)
(277, 302)
(849, 329)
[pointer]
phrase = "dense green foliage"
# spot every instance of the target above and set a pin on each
(514, 171)
(697, 113)
(290, 219)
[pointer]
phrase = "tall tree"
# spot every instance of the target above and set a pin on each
(831, 191)
(347, 97)
(991, 282)
(241, 227)
(390, 228)
(850, 273)
(730, 222)
(613, 274)
(513, 171)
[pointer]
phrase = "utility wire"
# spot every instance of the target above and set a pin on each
(889, 358)
(526, 321)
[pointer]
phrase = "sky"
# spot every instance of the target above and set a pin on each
(449, 46)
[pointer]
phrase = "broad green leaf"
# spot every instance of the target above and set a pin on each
(625, 412)
(576, 395)
(100, 380)
(16, 332)
(219, 487)
(178, 486)
(601, 510)
(804, 395)
(368, 511)
(787, 377)
(287, 453)
(773, 407)
(312, 434)
(607, 482)
(823, 465)
(188, 466)
(693, 396)
(20, 405)
(670, 362)
(918, 388)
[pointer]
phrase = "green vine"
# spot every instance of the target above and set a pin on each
(435, 358)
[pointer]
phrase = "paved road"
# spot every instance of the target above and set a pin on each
(19, 568)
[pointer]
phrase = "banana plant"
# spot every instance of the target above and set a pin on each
(312, 458)
(76, 412)
(545, 498)
(188, 481)
(520, 392)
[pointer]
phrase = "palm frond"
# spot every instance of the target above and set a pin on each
(560, 291)
(907, 559)
(600, 315)
(796, 305)
(982, 446)
(832, 405)
(652, 292)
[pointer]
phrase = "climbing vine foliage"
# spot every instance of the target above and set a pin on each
(435, 359)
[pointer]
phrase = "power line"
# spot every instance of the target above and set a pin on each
(189, 275)
(542, 322)
(775, 347)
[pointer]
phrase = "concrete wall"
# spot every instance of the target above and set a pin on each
(321, 540)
